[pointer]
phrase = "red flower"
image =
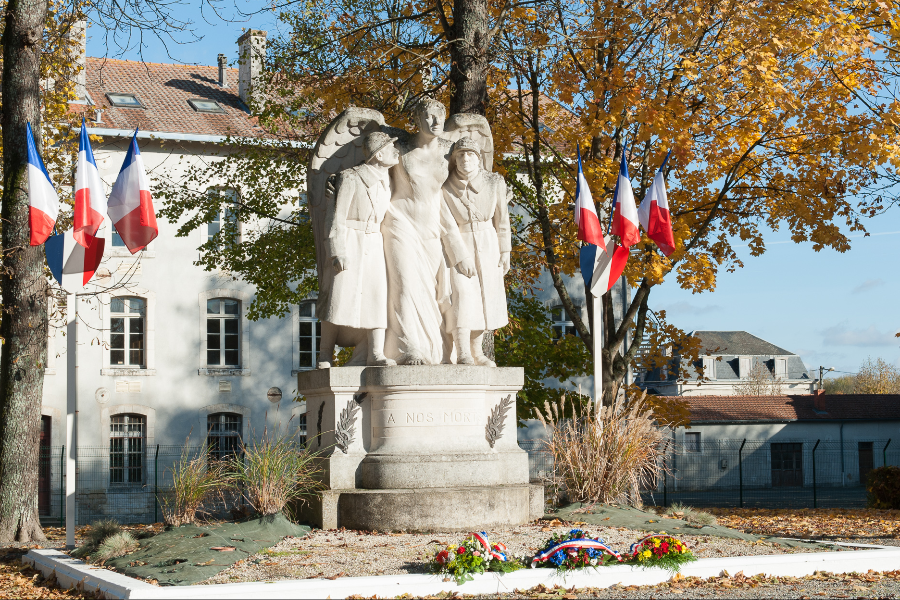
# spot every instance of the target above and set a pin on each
(664, 546)
(442, 557)
(461, 550)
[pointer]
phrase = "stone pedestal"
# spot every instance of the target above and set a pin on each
(418, 448)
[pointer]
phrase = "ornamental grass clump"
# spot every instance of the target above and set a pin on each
(273, 472)
(195, 480)
(603, 454)
(116, 545)
(95, 536)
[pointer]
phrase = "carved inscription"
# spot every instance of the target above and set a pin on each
(426, 418)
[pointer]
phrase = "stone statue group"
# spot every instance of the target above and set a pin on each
(412, 238)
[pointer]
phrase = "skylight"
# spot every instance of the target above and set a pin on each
(207, 106)
(125, 101)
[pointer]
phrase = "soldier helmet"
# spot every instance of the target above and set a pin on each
(465, 144)
(375, 141)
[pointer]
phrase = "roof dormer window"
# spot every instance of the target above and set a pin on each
(125, 101)
(205, 106)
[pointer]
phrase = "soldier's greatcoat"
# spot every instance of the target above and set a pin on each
(359, 293)
(479, 208)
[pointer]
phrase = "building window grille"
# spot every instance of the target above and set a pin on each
(561, 323)
(127, 442)
(692, 442)
(310, 335)
(127, 341)
(224, 435)
(301, 428)
(223, 332)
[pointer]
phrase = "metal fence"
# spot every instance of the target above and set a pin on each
(758, 473)
(125, 483)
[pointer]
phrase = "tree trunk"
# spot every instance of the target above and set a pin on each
(469, 37)
(22, 282)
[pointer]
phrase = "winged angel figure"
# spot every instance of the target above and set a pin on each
(413, 227)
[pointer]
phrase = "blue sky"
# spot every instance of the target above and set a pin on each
(832, 309)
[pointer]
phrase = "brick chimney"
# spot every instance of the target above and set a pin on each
(252, 55)
(819, 400)
(223, 70)
(78, 37)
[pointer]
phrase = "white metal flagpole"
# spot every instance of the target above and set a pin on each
(71, 415)
(597, 337)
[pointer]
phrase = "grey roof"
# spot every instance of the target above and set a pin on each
(738, 343)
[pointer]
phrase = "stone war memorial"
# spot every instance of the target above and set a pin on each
(417, 432)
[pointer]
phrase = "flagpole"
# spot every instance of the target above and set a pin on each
(71, 415)
(597, 337)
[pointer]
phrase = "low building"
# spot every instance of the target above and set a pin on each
(729, 360)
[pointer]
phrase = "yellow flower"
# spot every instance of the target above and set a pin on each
(646, 553)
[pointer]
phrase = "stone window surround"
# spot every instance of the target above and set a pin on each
(244, 299)
(149, 333)
(57, 424)
(107, 412)
(237, 409)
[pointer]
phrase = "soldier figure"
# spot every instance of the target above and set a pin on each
(476, 201)
(359, 293)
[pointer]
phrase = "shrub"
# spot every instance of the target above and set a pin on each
(194, 481)
(603, 454)
(116, 545)
(883, 487)
(690, 514)
(274, 471)
(96, 534)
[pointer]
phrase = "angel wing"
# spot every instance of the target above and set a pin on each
(475, 127)
(339, 147)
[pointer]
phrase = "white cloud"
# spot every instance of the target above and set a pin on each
(868, 284)
(841, 335)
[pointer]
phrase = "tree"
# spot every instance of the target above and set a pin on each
(756, 101)
(877, 377)
(759, 382)
(37, 76)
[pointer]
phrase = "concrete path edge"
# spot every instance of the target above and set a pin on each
(71, 572)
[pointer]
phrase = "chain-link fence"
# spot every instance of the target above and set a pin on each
(757, 473)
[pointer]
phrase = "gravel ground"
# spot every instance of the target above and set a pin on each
(332, 554)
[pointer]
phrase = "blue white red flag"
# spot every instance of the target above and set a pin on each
(608, 267)
(654, 213)
(90, 201)
(625, 217)
(589, 229)
(43, 201)
(71, 264)
(131, 204)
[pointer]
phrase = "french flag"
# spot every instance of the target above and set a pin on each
(589, 229)
(130, 203)
(654, 212)
(43, 202)
(71, 264)
(90, 201)
(608, 268)
(625, 216)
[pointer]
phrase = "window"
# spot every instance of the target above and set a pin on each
(692, 442)
(561, 323)
(126, 332)
(226, 217)
(206, 106)
(301, 427)
(709, 367)
(222, 332)
(223, 435)
(781, 368)
(127, 435)
(117, 241)
(125, 101)
(310, 335)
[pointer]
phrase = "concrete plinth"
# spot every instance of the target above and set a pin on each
(418, 448)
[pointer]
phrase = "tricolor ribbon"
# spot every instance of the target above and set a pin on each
(661, 537)
(578, 544)
(497, 553)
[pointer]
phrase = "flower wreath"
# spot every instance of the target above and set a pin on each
(660, 551)
(575, 550)
(474, 555)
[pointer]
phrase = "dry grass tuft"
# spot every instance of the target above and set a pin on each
(195, 480)
(273, 472)
(603, 454)
(120, 544)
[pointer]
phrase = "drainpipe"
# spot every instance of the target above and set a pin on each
(843, 475)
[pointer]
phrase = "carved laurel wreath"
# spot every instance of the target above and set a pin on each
(345, 429)
(496, 422)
